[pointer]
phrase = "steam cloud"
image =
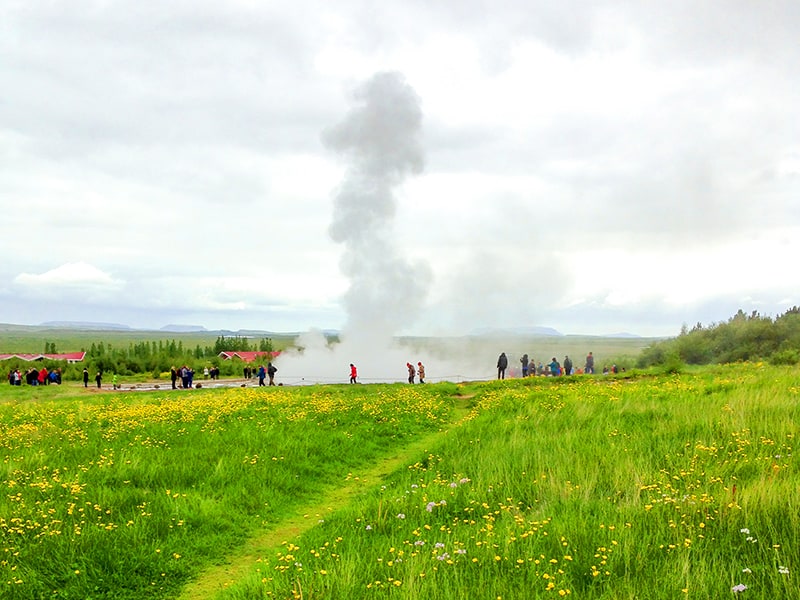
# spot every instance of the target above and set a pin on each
(380, 139)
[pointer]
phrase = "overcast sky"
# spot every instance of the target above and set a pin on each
(594, 167)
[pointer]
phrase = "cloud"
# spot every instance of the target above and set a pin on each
(71, 279)
(622, 158)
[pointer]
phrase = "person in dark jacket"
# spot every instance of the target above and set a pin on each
(524, 361)
(85, 377)
(271, 370)
(567, 365)
(502, 365)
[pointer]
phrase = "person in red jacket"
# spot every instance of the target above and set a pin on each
(43, 376)
(353, 373)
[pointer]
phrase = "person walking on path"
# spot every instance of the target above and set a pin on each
(271, 370)
(262, 374)
(85, 377)
(589, 369)
(99, 379)
(412, 372)
(421, 372)
(502, 365)
(353, 373)
(173, 375)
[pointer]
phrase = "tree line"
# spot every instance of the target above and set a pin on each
(743, 337)
(152, 357)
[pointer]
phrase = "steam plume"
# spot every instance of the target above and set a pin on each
(380, 140)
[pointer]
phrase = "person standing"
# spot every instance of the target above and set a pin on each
(173, 375)
(85, 377)
(421, 372)
(99, 379)
(567, 365)
(412, 372)
(353, 373)
(589, 369)
(555, 368)
(271, 370)
(524, 361)
(502, 365)
(262, 373)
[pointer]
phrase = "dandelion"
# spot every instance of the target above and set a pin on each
(783, 570)
(419, 543)
(461, 551)
(443, 556)
(401, 515)
(454, 485)
(368, 527)
(744, 530)
(430, 506)
(438, 545)
(739, 587)
(463, 480)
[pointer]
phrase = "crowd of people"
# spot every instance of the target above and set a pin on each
(34, 376)
(183, 377)
(530, 368)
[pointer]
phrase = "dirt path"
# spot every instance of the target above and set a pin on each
(265, 541)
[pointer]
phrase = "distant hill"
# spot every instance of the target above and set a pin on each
(86, 325)
(183, 328)
(516, 331)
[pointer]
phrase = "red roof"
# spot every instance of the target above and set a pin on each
(69, 356)
(247, 356)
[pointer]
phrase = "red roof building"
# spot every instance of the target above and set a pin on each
(246, 356)
(70, 357)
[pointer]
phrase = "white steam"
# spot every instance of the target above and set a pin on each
(380, 141)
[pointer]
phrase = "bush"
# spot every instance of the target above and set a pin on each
(785, 357)
(673, 364)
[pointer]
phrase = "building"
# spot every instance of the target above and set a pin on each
(70, 357)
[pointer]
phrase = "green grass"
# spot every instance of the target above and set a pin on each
(640, 486)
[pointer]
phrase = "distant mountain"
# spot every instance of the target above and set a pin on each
(516, 331)
(86, 325)
(183, 328)
(622, 334)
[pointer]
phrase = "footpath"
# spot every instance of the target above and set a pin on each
(265, 542)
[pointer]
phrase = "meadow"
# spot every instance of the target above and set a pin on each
(643, 485)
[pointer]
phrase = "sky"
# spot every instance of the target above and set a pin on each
(419, 168)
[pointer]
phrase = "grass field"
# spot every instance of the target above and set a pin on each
(642, 486)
